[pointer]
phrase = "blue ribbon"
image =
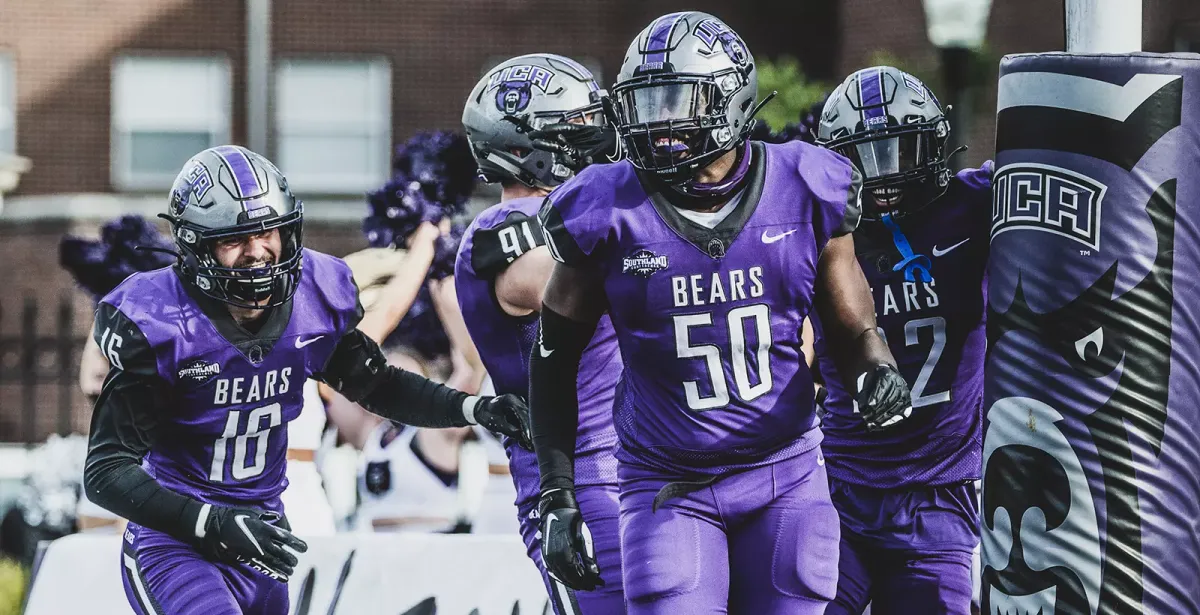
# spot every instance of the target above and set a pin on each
(910, 263)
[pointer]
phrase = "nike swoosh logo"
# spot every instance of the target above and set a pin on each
(302, 344)
(240, 520)
(542, 345)
(773, 238)
(937, 252)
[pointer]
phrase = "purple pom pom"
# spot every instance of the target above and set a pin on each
(445, 251)
(100, 265)
(433, 176)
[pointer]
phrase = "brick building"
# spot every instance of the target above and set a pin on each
(106, 99)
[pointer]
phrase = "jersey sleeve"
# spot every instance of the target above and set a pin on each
(499, 246)
(341, 293)
(122, 342)
(836, 187)
(575, 221)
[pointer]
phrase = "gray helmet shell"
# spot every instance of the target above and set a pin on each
(226, 191)
(688, 83)
(892, 127)
(533, 90)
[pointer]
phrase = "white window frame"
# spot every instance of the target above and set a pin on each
(124, 123)
(377, 126)
(8, 104)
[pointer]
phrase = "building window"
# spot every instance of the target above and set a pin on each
(333, 126)
(8, 104)
(164, 110)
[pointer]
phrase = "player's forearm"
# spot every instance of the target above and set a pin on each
(120, 485)
(847, 311)
(553, 396)
(358, 370)
(412, 399)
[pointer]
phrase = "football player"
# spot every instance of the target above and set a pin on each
(906, 495)
(708, 251)
(502, 267)
(209, 357)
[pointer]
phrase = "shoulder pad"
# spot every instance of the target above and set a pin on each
(834, 183)
(335, 283)
(977, 179)
(577, 218)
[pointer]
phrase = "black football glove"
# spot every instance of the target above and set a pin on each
(578, 145)
(883, 398)
(566, 542)
(507, 415)
(250, 536)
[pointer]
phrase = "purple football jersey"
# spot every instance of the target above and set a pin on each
(936, 331)
(709, 319)
(496, 238)
(223, 437)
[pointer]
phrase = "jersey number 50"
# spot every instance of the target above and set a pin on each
(711, 353)
(256, 432)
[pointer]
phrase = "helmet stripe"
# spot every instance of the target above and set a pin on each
(660, 37)
(870, 84)
(243, 172)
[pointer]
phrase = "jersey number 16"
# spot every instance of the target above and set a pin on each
(255, 432)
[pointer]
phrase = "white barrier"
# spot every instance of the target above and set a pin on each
(388, 574)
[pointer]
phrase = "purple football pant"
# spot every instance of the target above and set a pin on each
(755, 542)
(905, 551)
(163, 576)
(599, 507)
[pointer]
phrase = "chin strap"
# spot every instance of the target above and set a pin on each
(916, 267)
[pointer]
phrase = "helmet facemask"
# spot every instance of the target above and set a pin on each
(675, 124)
(903, 166)
(260, 287)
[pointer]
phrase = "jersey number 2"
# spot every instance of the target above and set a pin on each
(256, 432)
(736, 319)
(912, 329)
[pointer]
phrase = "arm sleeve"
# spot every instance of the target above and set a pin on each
(358, 370)
(553, 397)
(124, 428)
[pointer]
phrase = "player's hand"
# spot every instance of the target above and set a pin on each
(883, 398)
(579, 144)
(566, 542)
(250, 536)
(507, 415)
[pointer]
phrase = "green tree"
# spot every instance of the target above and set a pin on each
(796, 92)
